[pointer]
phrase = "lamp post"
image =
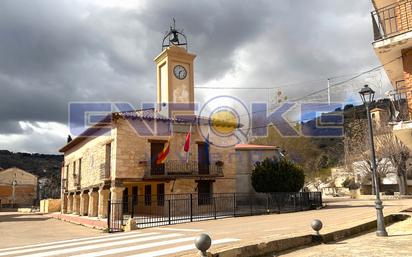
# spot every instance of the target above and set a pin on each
(367, 95)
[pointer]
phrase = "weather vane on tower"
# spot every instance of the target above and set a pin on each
(172, 37)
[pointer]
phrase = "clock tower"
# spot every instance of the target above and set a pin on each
(175, 81)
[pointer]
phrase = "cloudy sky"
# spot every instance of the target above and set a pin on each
(53, 52)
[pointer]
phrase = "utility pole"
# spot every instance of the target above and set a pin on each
(328, 91)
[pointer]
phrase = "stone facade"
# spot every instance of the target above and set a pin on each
(119, 165)
(130, 157)
(50, 205)
(24, 191)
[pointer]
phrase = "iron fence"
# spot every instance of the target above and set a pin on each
(115, 217)
(158, 210)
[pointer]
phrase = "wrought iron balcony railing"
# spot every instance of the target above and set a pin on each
(178, 168)
(104, 171)
(392, 20)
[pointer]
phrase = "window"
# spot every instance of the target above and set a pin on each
(203, 158)
(134, 196)
(148, 195)
(108, 160)
(160, 194)
(126, 200)
(66, 177)
(80, 171)
(155, 149)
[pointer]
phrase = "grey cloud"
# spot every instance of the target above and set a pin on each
(53, 52)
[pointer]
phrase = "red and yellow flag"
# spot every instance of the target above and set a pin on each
(162, 156)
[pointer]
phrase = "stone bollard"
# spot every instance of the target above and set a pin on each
(316, 225)
(203, 243)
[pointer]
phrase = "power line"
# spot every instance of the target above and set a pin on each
(276, 86)
(333, 85)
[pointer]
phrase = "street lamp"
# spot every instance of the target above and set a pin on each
(367, 95)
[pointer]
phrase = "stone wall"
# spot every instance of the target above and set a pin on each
(133, 154)
(91, 153)
(50, 205)
(130, 156)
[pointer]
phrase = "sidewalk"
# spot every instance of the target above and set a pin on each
(398, 244)
(265, 228)
(80, 220)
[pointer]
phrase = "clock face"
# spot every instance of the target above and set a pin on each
(180, 72)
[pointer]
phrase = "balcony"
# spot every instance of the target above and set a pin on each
(392, 20)
(178, 169)
(104, 171)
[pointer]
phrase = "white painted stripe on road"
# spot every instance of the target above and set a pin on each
(181, 248)
(180, 229)
(45, 248)
(67, 241)
(135, 248)
(96, 246)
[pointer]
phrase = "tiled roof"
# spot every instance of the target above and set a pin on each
(144, 114)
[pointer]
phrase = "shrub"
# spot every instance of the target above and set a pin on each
(272, 175)
(350, 183)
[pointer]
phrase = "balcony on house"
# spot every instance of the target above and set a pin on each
(392, 20)
(105, 171)
(180, 168)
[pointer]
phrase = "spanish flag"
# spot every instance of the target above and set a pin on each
(162, 156)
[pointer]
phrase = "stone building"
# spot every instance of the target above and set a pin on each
(117, 157)
(246, 156)
(392, 27)
(17, 188)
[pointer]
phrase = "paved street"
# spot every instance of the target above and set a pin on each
(34, 235)
(156, 242)
(25, 228)
(398, 244)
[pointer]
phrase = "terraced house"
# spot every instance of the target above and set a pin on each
(119, 156)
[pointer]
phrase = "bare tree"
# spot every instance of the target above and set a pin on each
(389, 146)
(357, 150)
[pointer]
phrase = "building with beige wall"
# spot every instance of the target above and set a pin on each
(17, 188)
(246, 156)
(116, 158)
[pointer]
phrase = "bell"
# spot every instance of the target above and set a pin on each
(175, 39)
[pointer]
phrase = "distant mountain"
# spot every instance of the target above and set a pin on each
(42, 165)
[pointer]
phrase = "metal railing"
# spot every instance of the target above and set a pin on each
(392, 20)
(158, 210)
(180, 168)
(104, 171)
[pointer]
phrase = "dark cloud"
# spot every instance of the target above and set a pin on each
(53, 52)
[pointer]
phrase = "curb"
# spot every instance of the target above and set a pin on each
(78, 221)
(276, 246)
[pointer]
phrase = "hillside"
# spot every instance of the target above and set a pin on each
(42, 165)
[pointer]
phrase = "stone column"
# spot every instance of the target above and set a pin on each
(103, 203)
(117, 202)
(76, 203)
(69, 203)
(84, 203)
(93, 203)
(64, 203)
